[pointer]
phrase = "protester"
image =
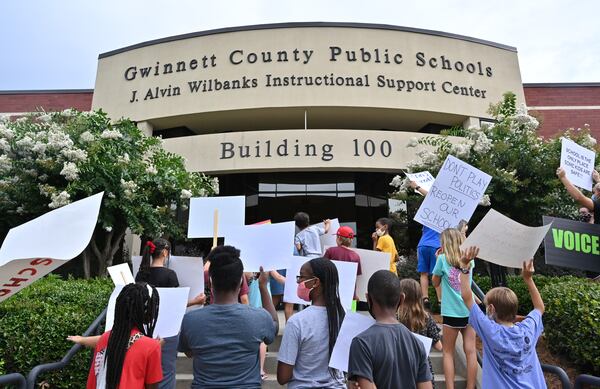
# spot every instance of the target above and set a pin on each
(455, 315)
(224, 338)
(307, 240)
(509, 348)
(127, 356)
(310, 334)
(382, 241)
(585, 215)
(426, 253)
(413, 315)
(592, 204)
(343, 252)
(243, 295)
(387, 355)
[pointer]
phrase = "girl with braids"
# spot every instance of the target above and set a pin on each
(413, 315)
(310, 334)
(127, 357)
(455, 314)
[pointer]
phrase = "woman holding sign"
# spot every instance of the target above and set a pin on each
(593, 204)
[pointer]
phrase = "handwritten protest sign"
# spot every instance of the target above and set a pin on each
(454, 195)
(189, 270)
(505, 242)
(41, 245)
(578, 163)
(352, 326)
(171, 309)
(230, 212)
(266, 245)
(572, 244)
(121, 274)
(423, 179)
(346, 275)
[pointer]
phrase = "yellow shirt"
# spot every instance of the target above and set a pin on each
(386, 244)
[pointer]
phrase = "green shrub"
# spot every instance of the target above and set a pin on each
(572, 322)
(35, 322)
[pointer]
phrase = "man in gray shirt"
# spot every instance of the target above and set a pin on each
(387, 355)
(224, 338)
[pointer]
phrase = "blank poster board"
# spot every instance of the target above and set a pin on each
(231, 215)
(189, 270)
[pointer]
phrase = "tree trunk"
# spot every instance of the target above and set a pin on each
(109, 245)
(85, 258)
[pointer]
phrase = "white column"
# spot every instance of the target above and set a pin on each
(471, 122)
(146, 128)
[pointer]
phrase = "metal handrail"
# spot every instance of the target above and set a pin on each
(587, 380)
(39, 369)
(13, 378)
(560, 373)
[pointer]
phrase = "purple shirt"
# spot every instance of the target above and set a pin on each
(509, 356)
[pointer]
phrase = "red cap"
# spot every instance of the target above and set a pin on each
(345, 232)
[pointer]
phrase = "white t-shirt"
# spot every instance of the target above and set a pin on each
(310, 241)
(305, 345)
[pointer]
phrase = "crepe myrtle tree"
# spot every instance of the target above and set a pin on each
(48, 160)
(522, 163)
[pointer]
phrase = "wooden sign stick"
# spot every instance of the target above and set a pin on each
(215, 228)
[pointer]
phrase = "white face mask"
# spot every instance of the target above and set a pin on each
(380, 232)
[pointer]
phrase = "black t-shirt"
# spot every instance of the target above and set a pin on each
(389, 356)
(159, 277)
(596, 211)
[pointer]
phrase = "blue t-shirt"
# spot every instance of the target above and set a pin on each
(452, 302)
(509, 356)
(310, 241)
(224, 341)
(430, 238)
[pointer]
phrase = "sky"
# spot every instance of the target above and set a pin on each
(54, 44)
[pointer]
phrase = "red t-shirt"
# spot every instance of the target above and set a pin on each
(141, 365)
(341, 253)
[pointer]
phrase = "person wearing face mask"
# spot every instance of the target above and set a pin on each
(382, 241)
(224, 338)
(310, 334)
(591, 204)
(387, 355)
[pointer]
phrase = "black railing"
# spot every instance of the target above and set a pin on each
(560, 373)
(586, 379)
(39, 369)
(16, 379)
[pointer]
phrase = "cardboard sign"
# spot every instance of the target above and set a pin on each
(423, 179)
(578, 163)
(505, 242)
(171, 309)
(572, 244)
(34, 249)
(266, 245)
(230, 210)
(189, 270)
(353, 325)
(121, 274)
(346, 275)
(453, 196)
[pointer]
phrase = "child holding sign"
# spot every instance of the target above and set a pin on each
(509, 356)
(382, 241)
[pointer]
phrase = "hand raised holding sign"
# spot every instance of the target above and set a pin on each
(466, 256)
(528, 270)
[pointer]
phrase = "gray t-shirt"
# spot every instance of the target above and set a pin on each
(224, 341)
(305, 345)
(389, 356)
(310, 241)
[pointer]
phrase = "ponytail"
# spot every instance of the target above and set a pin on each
(152, 250)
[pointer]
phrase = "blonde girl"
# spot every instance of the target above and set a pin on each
(413, 315)
(455, 314)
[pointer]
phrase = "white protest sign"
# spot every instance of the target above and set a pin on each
(353, 325)
(370, 262)
(189, 270)
(505, 242)
(578, 163)
(346, 275)
(171, 309)
(266, 245)
(423, 179)
(329, 238)
(121, 274)
(454, 195)
(34, 249)
(231, 212)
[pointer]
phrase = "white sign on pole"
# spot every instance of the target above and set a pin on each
(189, 270)
(266, 245)
(34, 249)
(171, 309)
(578, 163)
(346, 275)
(454, 195)
(505, 242)
(329, 239)
(121, 274)
(353, 325)
(423, 179)
(231, 211)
